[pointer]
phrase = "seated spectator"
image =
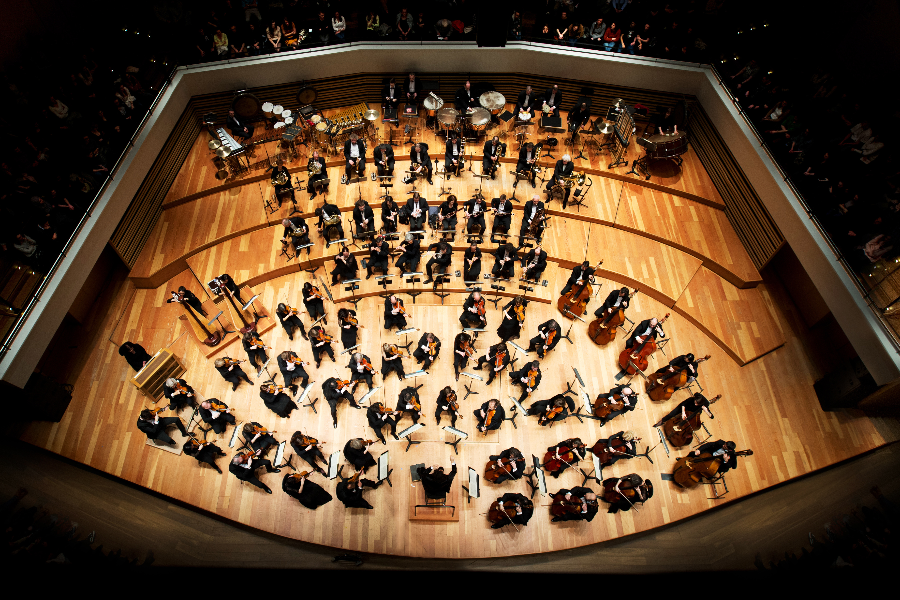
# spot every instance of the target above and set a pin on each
(629, 39)
(545, 34)
(420, 27)
(596, 31)
(204, 46)
(236, 42)
(273, 36)
(858, 135)
(339, 24)
(322, 28)
(289, 33)
(745, 75)
(220, 41)
(124, 94)
(444, 29)
(611, 37)
(26, 245)
(645, 41)
(404, 24)
(58, 108)
(562, 26)
(256, 40)
(373, 25)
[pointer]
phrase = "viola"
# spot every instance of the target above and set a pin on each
(480, 305)
(218, 406)
(550, 337)
(488, 418)
(506, 512)
(432, 348)
(550, 414)
(314, 294)
(181, 388)
(638, 357)
(572, 305)
(499, 357)
(690, 470)
(230, 362)
(324, 337)
(412, 399)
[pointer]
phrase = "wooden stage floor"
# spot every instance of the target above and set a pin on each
(669, 237)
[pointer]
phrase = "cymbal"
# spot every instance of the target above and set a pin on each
(605, 128)
(214, 144)
(223, 151)
(370, 115)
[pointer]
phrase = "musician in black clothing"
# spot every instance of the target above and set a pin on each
(276, 400)
(534, 263)
(476, 207)
(378, 416)
(435, 482)
(135, 354)
(258, 438)
(497, 359)
(238, 128)
(526, 100)
(447, 216)
(472, 263)
(460, 356)
(230, 371)
(453, 154)
(493, 151)
(290, 320)
(204, 452)
(379, 256)
(391, 361)
(349, 329)
(383, 155)
(646, 330)
(309, 493)
(178, 393)
(418, 155)
(443, 256)
(329, 225)
(526, 164)
(291, 371)
(552, 98)
(296, 232)
(316, 176)
(514, 470)
(466, 98)
(394, 313)
(228, 285)
(310, 450)
(407, 403)
(621, 446)
(350, 492)
(549, 334)
(553, 410)
(490, 416)
(320, 344)
(411, 253)
(255, 349)
(412, 87)
(314, 302)
(334, 394)
(504, 261)
(563, 169)
(355, 155)
(576, 447)
(389, 214)
(720, 449)
(281, 181)
(530, 213)
(643, 490)
(524, 509)
(685, 362)
(470, 316)
(511, 326)
(446, 401)
(424, 354)
(345, 266)
(390, 95)
(626, 403)
(364, 218)
(212, 414)
(183, 295)
(523, 378)
(578, 116)
(359, 371)
(588, 500)
(580, 274)
(244, 466)
(356, 451)
(502, 208)
(417, 208)
(155, 427)
(616, 300)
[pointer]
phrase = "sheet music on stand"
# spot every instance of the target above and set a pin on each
(460, 436)
(539, 474)
(518, 405)
(474, 489)
(368, 395)
(384, 470)
(405, 331)
(406, 433)
(418, 373)
(351, 349)
(279, 454)
(333, 461)
(234, 435)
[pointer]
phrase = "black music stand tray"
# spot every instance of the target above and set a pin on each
(440, 280)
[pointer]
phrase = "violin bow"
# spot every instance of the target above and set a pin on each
(629, 501)
(503, 510)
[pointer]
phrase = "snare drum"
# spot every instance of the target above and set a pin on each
(267, 109)
(277, 110)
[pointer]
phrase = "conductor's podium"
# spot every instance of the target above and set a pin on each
(149, 380)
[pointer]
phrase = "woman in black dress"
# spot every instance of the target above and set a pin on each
(310, 494)
(314, 302)
(349, 327)
(511, 326)
(204, 452)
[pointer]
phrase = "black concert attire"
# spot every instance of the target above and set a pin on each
(453, 149)
(530, 212)
(377, 420)
(541, 407)
(422, 352)
(460, 358)
(526, 101)
(515, 469)
(352, 497)
(282, 190)
(300, 237)
(311, 456)
(312, 496)
(134, 354)
(178, 399)
(611, 305)
(207, 454)
(537, 342)
(256, 355)
(395, 364)
(319, 348)
(644, 331)
(361, 459)
(279, 403)
(157, 430)
(417, 223)
(412, 88)
(361, 154)
(391, 319)
(559, 171)
(365, 214)
(408, 262)
(501, 221)
(360, 373)
(716, 449)
(219, 421)
(442, 260)
(632, 400)
(379, 258)
(233, 375)
(472, 270)
(390, 96)
(323, 174)
(228, 283)
(466, 99)
(578, 117)
(443, 405)
(436, 483)
(490, 359)
(248, 473)
(389, 214)
(191, 299)
(681, 363)
(520, 519)
(290, 323)
(421, 157)
(504, 261)
(292, 372)
(487, 162)
(315, 306)
(510, 328)
(448, 216)
(553, 98)
(349, 331)
(238, 128)
(634, 482)
(533, 273)
(476, 207)
(579, 493)
(578, 454)
(344, 270)
(329, 212)
(693, 404)
(625, 450)
(263, 442)
(407, 395)
(473, 319)
(333, 395)
(523, 165)
(496, 420)
(578, 273)
(515, 378)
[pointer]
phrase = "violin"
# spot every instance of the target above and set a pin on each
(637, 358)
(532, 378)
(467, 348)
(260, 430)
(255, 341)
(432, 348)
(602, 334)
(341, 383)
(324, 337)
(663, 385)
(230, 362)
(354, 478)
(401, 310)
(416, 406)
(352, 320)
(550, 414)
(690, 470)
(550, 337)
(499, 469)
(314, 294)
(299, 476)
(291, 311)
(680, 432)
(295, 360)
(498, 358)
(520, 312)
(505, 512)
(480, 305)
(384, 410)
(487, 419)
(454, 405)
(368, 366)
(156, 411)
(218, 406)
(274, 389)
(180, 388)
(572, 305)
(395, 351)
(308, 441)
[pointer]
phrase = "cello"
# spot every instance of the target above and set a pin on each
(567, 457)
(572, 305)
(632, 362)
(602, 410)
(663, 385)
(602, 335)
(606, 450)
(499, 469)
(690, 470)
(680, 432)
(505, 512)
(628, 490)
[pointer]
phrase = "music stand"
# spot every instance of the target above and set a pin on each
(515, 410)
(303, 396)
(333, 461)
(597, 474)
(384, 471)
(439, 280)
(444, 176)
(412, 278)
(407, 433)
(279, 456)
(469, 391)
(460, 436)
(249, 306)
(518, 347)
(286, 251)
(474, 489)
(216, 318)
(537, 472)
(234, 435)
(352, 287)
(368, 395)
(350, 349)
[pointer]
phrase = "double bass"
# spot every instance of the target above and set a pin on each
(601, 335)
(690, 470)
(572, 305)
(629, 360)
(680, 432)
(662, 385)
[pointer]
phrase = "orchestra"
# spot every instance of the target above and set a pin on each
(389, 215)
(356, 451)
(350, 492)
(329, 224)
(527, 163)
(620, 446)
(364, 218)
(345, 266)
(493, 152)
(510, 509)
(150, 423)
(185, 296)
(281, 181)
(355, 155)
(314, 302)
(490, 416)
(622, 493)
(534, 263)
(435, 481)
(561, 172)
(316, 171)
(533, 219)
(552, 100)
(619, 400)
(379, 256)
(383, 155)
(417, 211)
(553, 410)
(446, 217)
(453, 155)
(258, 437)
(577, 504)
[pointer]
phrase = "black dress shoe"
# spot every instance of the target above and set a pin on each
(368, 275)
(267, 488)
(533, 185)
(291, 337)
(396, 437)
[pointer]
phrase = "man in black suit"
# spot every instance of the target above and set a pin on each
(417, 208)
(239, 129)
(466, 98)
(527, 160)
(390, 95)
(553, 99)
(614, 301)
(526, 101)
(244, 466)
(504, 261)
(578, 116)
(564, 168)
(379, 255)
(443, 255)
(418, 154)
(722, 449)
(534, 263)
(155, 427)
(355, 155)
(645, 330)
(364, 218)
(531, 209)
(493, 150)
(434, 481)
(580, 274)
(383, 156)
(413, 88)
(502, 208)
(453, 154)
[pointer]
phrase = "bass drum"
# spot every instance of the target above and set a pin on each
(306, 96)
(246, 105)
